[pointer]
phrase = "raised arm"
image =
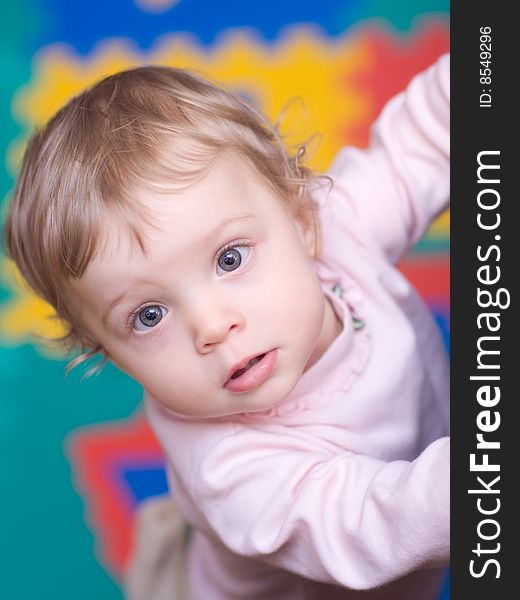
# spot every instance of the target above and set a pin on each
(344, 519)
(400, 183)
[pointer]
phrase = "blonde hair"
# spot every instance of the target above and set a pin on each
(112, 139)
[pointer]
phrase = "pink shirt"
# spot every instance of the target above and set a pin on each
(346, 482)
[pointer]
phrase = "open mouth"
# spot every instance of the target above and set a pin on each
(252, 362)
(257, 370)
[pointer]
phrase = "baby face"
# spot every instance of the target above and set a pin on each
(223, 312)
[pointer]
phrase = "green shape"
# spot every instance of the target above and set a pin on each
(46, 549)
(401, 14)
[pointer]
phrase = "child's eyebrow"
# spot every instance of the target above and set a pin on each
(237, 219)
(207, 238)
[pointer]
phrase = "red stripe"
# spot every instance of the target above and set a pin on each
(429, 275)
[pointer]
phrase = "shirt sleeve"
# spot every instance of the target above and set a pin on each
(400, 183)
(345, 519)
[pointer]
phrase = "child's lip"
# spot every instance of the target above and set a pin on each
(241, 365)
(264, 370)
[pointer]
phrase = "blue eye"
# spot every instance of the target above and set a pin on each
(232, 257)
(149, 317)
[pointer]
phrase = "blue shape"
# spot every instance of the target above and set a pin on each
(441, 318)
(82, 24)
(145, 482)
(445, 595)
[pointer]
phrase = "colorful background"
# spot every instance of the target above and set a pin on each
(77, 458)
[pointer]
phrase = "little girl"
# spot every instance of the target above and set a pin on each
(296, 382)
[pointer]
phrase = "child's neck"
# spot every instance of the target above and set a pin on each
(332, 327)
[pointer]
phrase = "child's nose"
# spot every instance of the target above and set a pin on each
(212, 324)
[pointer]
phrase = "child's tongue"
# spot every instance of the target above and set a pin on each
(252, 362)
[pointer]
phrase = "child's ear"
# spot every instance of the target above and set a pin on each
(89, 344)
(308, 228)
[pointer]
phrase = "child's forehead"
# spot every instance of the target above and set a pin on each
(229, 191)
(227, 184)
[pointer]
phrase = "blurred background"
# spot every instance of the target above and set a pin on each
(77, 458)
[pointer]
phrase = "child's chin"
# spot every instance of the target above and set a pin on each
(273, 397)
